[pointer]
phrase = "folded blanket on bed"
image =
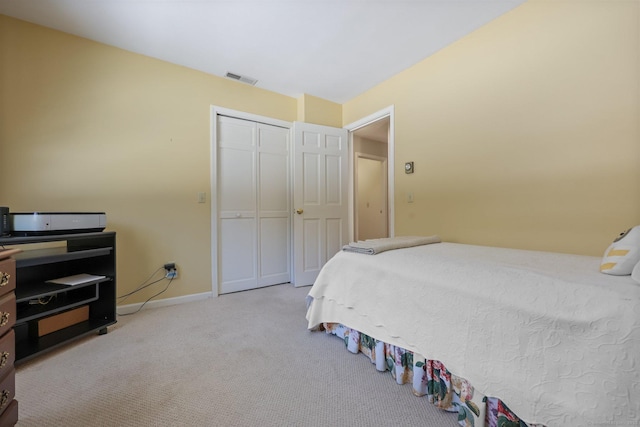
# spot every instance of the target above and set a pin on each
(375, 246)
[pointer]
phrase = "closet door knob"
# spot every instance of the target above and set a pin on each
(299, 211)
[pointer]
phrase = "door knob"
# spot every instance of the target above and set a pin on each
(299, 211)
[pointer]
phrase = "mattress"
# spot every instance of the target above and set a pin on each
(547, 333)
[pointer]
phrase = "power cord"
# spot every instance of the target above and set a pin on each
(142, 286)
(42, 300)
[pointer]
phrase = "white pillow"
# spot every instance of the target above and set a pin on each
(635, 274)
(623, 254)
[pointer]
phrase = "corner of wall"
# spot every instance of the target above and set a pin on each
(300, 104)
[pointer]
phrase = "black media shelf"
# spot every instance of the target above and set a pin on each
(39, 303)
(27, 349)
(38, 290)
(53, 255)
(55, 302)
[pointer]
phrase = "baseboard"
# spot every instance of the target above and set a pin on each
(130, 308)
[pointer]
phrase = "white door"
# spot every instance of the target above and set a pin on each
(253, 204)
(371, 197)
(320, 197)
(274, 201)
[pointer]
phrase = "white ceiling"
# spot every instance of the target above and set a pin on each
(333, 49)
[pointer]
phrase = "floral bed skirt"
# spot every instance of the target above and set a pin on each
(430, 378)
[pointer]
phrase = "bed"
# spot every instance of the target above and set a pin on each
(501, 336)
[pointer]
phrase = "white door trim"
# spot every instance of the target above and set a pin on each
(216, 111)
(385, 112)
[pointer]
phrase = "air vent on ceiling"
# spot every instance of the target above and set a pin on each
(243, 79)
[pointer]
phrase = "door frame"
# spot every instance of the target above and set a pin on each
(351, 127)
(216, 111)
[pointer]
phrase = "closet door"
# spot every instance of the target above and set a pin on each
(237, 228)
(274, 218)
(254, 219)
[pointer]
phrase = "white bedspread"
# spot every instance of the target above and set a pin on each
(555, 339)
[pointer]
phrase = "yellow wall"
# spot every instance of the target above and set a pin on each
(87, 127)
(312, 109)
(525, 133)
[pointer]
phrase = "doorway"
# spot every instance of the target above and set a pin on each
(372, 145)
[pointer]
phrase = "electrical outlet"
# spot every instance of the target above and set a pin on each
(171, 271)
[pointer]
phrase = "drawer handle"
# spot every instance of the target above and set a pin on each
(5, 398)
(4, 279)
(3, 359)
(4, 318)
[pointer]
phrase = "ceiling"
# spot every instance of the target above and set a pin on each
(332, 49)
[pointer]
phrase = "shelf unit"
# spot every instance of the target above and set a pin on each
(38, 301)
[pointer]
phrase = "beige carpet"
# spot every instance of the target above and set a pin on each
(243, 359)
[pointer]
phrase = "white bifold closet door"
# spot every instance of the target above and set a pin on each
(254, 220)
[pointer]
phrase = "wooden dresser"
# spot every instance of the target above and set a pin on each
(8, 404)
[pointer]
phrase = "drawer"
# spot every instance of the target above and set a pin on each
(7, 275)
(7, 352)
(63, 320)
(10, 415)
(7, 313)
(7, 390)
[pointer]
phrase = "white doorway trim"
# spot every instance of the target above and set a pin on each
(216, 111)
(386, 112)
